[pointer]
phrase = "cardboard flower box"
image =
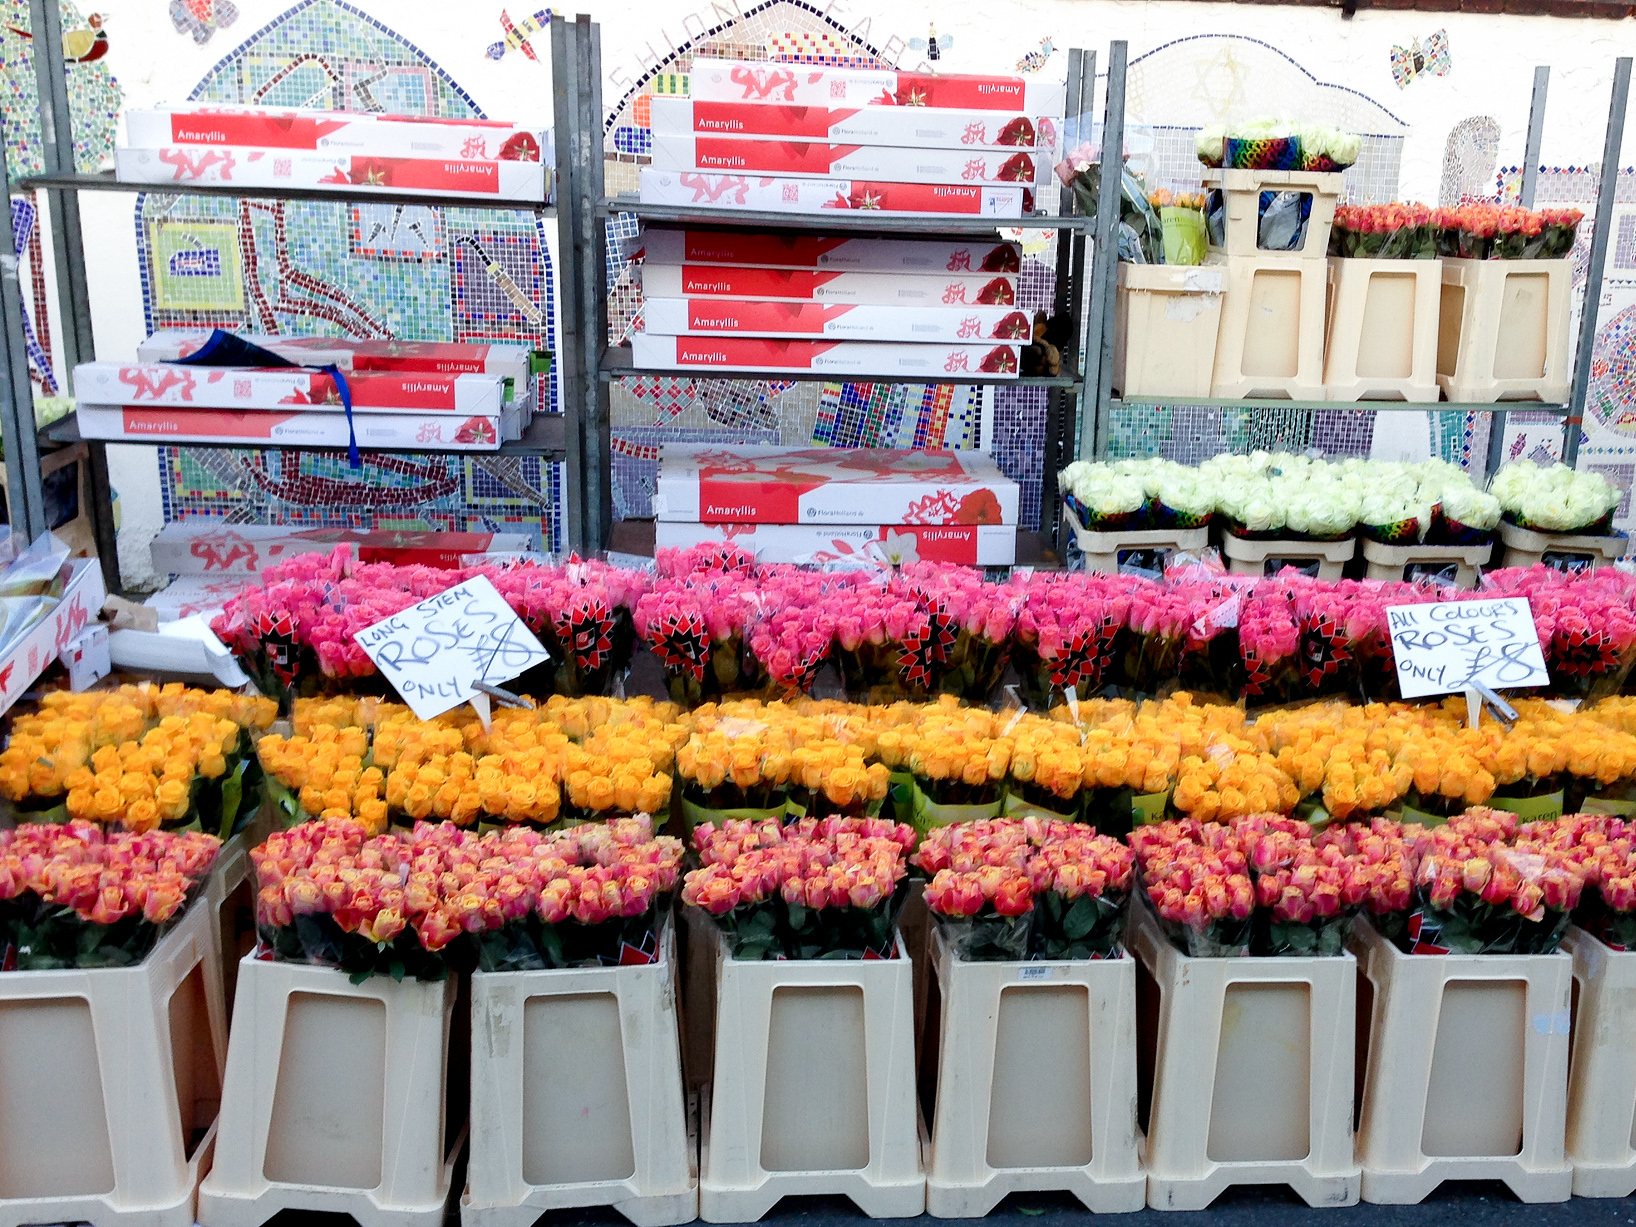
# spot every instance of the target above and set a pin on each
(888, 289)
(350, 174)
(731, 155)
(315, 428)
(839, 321)
(702, 483)
(750, 249)
(208, 545)
(787, 194)
(911, 127)
(209, 123)
(968, 545)
(818, 85)
(206, 387)
(929, 363)
(514, 362)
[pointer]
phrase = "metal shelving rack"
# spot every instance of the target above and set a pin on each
(586, 354)
(1095, 427)
(547, 436)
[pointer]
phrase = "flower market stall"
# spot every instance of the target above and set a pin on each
(1248, 801)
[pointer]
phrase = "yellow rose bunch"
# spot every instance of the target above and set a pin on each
(128, 755)
(325, 768)
(341, 711)
(1048, 758)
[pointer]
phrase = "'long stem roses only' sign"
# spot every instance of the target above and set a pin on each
(436, 652)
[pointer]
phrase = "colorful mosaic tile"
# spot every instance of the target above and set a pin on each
(94, 96)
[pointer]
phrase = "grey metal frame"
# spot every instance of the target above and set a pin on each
(1095, 428)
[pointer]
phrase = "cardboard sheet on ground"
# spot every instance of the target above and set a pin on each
(435, 652)
(1443, 648)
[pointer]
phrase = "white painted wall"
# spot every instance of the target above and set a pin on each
(1493, 61)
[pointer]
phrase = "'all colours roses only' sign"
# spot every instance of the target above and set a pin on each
(1446, 647)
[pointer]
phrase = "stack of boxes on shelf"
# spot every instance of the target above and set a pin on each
(262, 147)
(838, 504)
(442, 396)
(923, 309)
(800, 138)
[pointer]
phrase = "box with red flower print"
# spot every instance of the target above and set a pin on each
(516, 362)
(725, 154)
(909, 127)
(928, 363)
(406, 136)
(886, 289)
(966, 545)
(788, 194)
(445, 432)
(834, 253)
(349, 173)
(842, 321)
(217, 387)
(820, 85)
(705, 483)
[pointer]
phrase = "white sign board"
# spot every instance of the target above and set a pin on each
(1442, 648)
(436, 651)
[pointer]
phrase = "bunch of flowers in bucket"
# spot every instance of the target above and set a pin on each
(924, 630)
(1481, 887)
(1604, 847)
(582, 613)
(816, 888)
(138, 757)
(695, 624)
(74, 895)
(1501, 232)
(1555, 498)
(1585, 622)
(1068, 634)
(792, 628)
(1027, 889)
(745, 759)
(1384, 232)
(1131, 495)
(1269, 143)
(959, 758)
(441, 898)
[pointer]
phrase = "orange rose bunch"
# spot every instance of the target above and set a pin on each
(331, 892)
(815, 888)
(79, 897)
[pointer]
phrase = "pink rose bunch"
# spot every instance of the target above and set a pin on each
(1195, 874)
(408, 898)
(793, 628)
(695, 625)
(1067, 633)
(819, 887)
(706, 557)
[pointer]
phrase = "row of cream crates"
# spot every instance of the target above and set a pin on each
(124, 1104)
(1303, 326)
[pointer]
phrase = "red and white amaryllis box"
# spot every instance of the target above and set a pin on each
(349, 174)
(444, 432)
(926, 363)
(775, 194)
(731, 155)
(971, 545)
(816, 86)
(403, 136)
(432, 357)
(206, 545)
(709, 484)
(231, 387)
(803, 285)
(766, 249)
(905, 127)
(701, 317)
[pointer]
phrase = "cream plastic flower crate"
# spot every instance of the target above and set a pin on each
(1241, 192)
(1381, 342)
(1320, 559)
(335, 1100)
(1467, 1076)
(1503, 331)
(1602, 1069)
(1272, 329)
(1252, 1075)
(1454, 565)
(1107, 552)
(1165, 329)
(576, 1084)
(229, 895)
(110, 1081)
(1568, 551)
(1036, 1084)
(814, 1088)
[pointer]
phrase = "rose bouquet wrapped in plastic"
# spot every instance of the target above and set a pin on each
(827, 888)
(1196, 879)
(695, 624)
(1269, 644)
(1067, 637)
(792, 628)
(74, 895)
(959, 759)
(1384, 232)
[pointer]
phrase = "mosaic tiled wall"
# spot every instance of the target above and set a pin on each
(368, 270)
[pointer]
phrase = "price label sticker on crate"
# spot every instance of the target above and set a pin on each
(436, 652)
(1446, 647)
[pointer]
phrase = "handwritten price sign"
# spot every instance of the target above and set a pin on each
(435, 652)
(1443, 648)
